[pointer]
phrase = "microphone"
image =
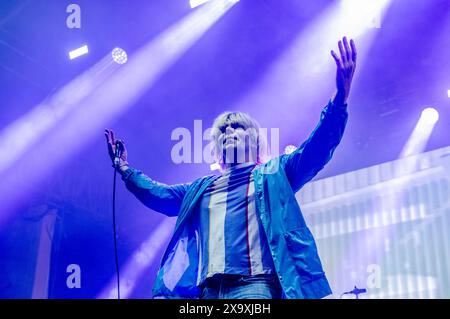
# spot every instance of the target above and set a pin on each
(117, 154)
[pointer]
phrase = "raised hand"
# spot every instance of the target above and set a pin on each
(346, 65)
(112, 142)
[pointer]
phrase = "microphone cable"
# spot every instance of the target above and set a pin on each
(116, 255)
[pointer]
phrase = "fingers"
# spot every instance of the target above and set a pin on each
(347, 52)
(342, 52)
(121, 145)
(336, 59)
(107, 135)
(354, 52)
(113, 140)
(114, 145)
(347, 49)
(110, 141)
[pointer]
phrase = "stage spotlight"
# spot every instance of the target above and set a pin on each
(429, 116)
(289, 149)
(421, 133)
(196, 3)
(78, 52)
(314, 40)
(119, 56)
(83, 106)
(448, 93)
(364, 14)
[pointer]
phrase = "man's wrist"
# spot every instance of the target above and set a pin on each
(340, 98)
(123, 167)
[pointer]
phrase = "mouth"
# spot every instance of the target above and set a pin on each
(231, 139)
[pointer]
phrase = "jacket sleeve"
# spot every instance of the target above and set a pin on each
(165, 199)
(308, 159)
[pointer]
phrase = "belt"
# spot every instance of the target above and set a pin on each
(232, 279)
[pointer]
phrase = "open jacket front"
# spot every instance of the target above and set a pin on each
(291, 243)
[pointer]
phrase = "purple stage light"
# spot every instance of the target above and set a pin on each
(105, 86)
(78, 52)
(448, 93)
(364, 14)
(119, 56)
(315, 67)
(429, 116)
(421, 133)
(196, 3)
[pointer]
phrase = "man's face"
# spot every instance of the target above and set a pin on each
(237, 144)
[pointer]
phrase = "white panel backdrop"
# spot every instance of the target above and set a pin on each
(385, 228)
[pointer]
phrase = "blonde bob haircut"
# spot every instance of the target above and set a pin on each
(244, 121)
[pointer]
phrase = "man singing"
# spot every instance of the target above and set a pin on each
(241, 234)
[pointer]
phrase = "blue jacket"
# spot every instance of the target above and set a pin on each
(290, 241)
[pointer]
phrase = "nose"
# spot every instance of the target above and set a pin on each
(229, 130)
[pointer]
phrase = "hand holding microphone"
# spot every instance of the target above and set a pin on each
(117, 151)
